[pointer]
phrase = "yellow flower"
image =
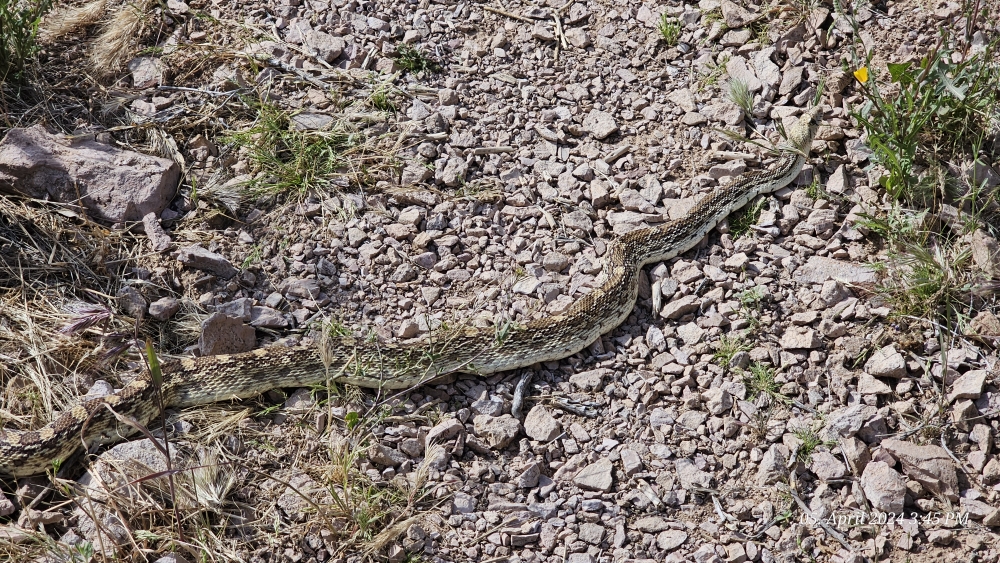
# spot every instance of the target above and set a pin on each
(862, 75)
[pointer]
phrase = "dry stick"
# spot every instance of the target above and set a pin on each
(508, 14)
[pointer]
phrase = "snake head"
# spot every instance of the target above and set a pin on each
(800, 136)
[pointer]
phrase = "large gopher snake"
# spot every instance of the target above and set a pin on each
(216, 378)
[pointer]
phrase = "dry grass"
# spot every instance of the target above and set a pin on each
(57, 273)
(65, 20)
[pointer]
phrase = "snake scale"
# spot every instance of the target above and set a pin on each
(204, 380)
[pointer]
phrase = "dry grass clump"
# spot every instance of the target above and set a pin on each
(123, 27)
(57, 329)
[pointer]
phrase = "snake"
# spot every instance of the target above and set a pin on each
(188, 382)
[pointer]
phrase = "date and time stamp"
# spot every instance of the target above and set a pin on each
(846, 520)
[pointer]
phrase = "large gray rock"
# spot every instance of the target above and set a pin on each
(929, 465)
(113, 184)
(884, 487)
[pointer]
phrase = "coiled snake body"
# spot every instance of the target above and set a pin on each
(209, 379)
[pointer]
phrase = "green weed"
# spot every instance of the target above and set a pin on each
(413, 60)
(918, 115)
(19, 21)
(760, 380)
(729, 346)
(669, 28)
(743, 220)
(287, 160)
(740, 95)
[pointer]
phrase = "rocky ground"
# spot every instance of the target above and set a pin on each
(764, 402)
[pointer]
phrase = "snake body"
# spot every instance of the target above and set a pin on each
(204, 380)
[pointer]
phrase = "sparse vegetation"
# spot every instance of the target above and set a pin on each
(740, 95)
(743, 220)
(381, 98)
(669, 28)
(414, 60)
(810, 441)
(729, 346)
(19, 21)
(760, 381)
(919, 115)
(291, 160)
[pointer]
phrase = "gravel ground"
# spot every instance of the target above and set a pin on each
(762, 403)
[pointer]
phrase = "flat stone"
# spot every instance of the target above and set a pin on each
(796, 337)
(669, 540)
(600, 124)
(497, 431)
(444, 431)
(827, 466)
(199, 258)
(690, 476)
(650, 524)
(819, 269)
(968, 386)
(222, 334)
(868, 385)
(327, 47)
(884, 487)
(772, 468)
(540, 425)
(631, 462)
(596, 477)
(677, 308)
(886, 362)
(528, 478)
(931, 466)
(590, 380)
(165, 308)
(266, 317)
(112, 184)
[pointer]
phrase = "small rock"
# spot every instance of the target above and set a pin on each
(266, 317)
(931, 466)
(968, 386)
(772, 468)
(326, 46)
(800, 338)
(827, 466)
(886, 362)
(541, 425)
(528, 478)
(197, 257)
(221, 334)
(595, 477)
(590, 380)
(884, 487)
(631, 462)
(600, 124)
(669, 540)
(498, 431)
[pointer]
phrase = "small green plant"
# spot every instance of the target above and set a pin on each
(740, 95)
(760, 380)
(815, 189)
(413, 60)
(290, 160)
(381, 98)
(729, 346)
(19, 21)
(928, 112)
(715, 72)
(669, 28)
(253, 257)
(743, 220)
(810, 441)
